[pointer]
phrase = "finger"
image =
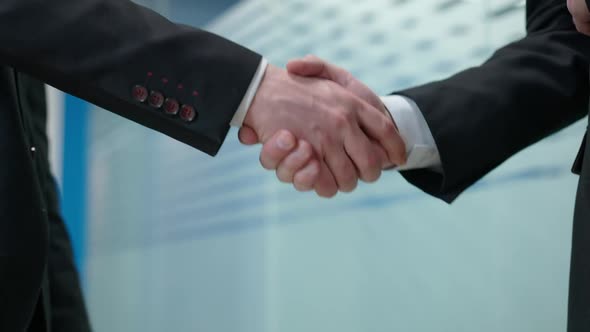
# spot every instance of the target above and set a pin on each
(342, 168)
(312, 66)
(326, 184)
(247, 136)
(307, 66)
(365, 155)
(316, 67)
(382, 129)
(294, 161)
(277, 148)
(381, 155)
(306, 178)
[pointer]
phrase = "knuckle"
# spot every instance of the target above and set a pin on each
(348, 181)
(371, 177)
(349, 115)
(328, 194)
(284, 175)
(303, 183)
(348, 187)
(305, 150)
(324, 139)
(304, 180)
(301, 187)
(371, 163)
(326, 191)
(340, 120)
(344, 118)
(375, 162)
(265, 163)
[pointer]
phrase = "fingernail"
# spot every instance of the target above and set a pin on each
(285, 141)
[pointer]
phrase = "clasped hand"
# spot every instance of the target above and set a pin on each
(322, 129)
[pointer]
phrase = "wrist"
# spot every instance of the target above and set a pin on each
(261, 96)
(242, 111)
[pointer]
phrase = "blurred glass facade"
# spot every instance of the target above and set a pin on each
(179, 241)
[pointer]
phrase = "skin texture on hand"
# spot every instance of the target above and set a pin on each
(289, 162)
(581, 15)
(344, 133)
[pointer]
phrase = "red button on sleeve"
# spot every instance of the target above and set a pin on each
(139, 93)
(187, 113)
(171, 106)
(156, 99)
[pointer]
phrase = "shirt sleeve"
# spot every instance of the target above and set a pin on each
(240, 115)
(420, 145)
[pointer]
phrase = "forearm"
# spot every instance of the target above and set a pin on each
(526, 91)
(100, 49)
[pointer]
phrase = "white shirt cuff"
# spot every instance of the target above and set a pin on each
(240, 114)
(420, 145)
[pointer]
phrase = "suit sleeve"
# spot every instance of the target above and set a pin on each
(99, 50)
(523, 93)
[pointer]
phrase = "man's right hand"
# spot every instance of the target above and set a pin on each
(349, 137)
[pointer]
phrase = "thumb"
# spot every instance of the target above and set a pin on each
(248, 136)
(308, 66)
(311, 65)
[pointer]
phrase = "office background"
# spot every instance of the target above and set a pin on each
(169, 239)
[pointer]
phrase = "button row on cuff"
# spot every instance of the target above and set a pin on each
(170, 106)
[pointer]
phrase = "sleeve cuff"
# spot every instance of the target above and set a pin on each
(240, 114)
(420, 145)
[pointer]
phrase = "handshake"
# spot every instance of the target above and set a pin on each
(322, 129)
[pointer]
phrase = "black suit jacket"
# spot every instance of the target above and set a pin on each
(523, 93)
(98, 50)
(61, 306)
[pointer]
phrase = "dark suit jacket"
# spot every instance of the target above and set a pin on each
(61, 306)
(98, 50)
(523, 93)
